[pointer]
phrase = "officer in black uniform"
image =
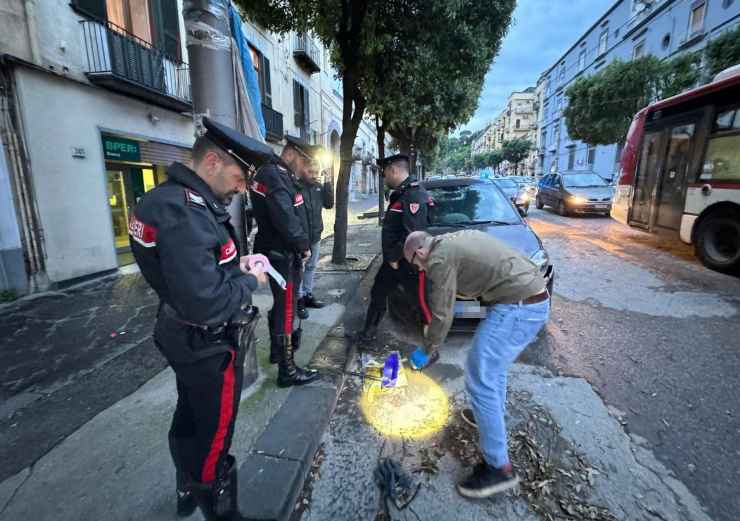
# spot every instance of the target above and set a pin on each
(407, 212)
(282, 235)
(187, 250)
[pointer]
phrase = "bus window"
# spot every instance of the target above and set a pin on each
(723, 159)
(722, 162)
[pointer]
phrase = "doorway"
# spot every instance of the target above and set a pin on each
(126, 186)
(670, 201)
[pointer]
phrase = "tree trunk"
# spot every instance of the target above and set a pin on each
(352, 112)
(380, 131)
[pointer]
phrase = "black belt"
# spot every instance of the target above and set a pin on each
(172, 313)
(535, 299)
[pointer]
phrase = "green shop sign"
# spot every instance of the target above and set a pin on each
(121, 149)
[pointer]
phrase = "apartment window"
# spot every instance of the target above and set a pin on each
(639, 50)
(571, 157)
(518, 123)
(556, 135)
(545, 110)
(155, 22)
(544, 138)
(301, 109)
(603, 41)
(562, 71)
(591, 156)
(696, 18)
(262, 67)
(582, 60)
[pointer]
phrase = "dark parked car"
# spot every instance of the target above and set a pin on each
(575, 192)
(479, 204)
(514, 191)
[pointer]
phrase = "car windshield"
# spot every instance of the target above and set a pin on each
(470, 204)
(506, 183)
(583, 180)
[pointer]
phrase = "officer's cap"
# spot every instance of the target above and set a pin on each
(303, 147)
(388, 161)
(248, 152)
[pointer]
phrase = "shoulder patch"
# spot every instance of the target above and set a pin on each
(259, 188)
(414, 207)
(194, 199)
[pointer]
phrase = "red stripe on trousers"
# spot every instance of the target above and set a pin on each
(225, 414)
(288, 326)
(422, 297)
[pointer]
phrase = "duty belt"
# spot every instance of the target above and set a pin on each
(172, 313)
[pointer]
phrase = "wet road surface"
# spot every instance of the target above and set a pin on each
(656, 335)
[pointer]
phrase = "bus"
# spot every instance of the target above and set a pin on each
(680, 170)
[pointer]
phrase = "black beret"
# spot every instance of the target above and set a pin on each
(387, 161)
(247, 151)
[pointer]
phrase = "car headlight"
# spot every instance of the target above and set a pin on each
(577, 199)
(541, 259)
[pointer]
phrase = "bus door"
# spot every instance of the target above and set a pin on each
(646, 178)
(673, 176)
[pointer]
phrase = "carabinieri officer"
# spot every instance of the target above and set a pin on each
(187, 250)
(282, 235)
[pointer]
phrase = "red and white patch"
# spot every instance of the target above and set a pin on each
(228, 252)
(430, 201)
(396, 207)
(414, 207)
(259, 188)
(298, 199)
(141, 232)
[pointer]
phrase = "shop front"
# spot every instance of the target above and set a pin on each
(132, 168)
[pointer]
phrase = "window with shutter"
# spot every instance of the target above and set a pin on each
(297, 102)
(267, 86)
(306, 111)
(169, 28)
(93, 8)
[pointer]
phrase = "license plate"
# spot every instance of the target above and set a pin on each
(467, 308)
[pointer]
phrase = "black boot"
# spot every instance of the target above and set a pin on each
(295, 339)
(370, 331)
(218, 500)
(185, 499)
(310, 302)
(290, 374)
(301, 308)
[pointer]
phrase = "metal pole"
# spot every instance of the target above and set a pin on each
(214, 95)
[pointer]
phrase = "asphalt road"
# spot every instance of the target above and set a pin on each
(656, 335)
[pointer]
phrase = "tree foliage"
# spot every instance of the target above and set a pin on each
(601, 106)
(723, 52)
(516, 150)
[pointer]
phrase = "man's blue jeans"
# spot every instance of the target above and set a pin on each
(309, 271)
(500, 337)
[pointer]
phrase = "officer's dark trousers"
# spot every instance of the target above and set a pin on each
(208, 393)
(385, 281)
(282, 317)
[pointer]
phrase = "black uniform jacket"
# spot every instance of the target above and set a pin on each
(315, 197)
(187, 251)
(277, 207)
(408, 211)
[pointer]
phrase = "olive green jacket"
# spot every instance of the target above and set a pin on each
(471, 264)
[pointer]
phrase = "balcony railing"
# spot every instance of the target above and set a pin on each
(122, 62)
(273, 123)
(306, 53)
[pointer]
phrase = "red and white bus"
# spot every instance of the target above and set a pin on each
(680, 170)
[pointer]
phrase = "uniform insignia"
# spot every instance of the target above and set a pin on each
(298, 199)
(396, 207)
(194, 199)
(414, 207)
(141, 232)
(228, 252)
(259, 188)
(430, 201)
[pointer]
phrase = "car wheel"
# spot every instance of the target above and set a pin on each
(718, 241)
(538, 203)
(562, 210)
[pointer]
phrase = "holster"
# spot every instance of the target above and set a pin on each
(241, 328)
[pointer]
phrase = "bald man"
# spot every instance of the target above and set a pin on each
(474, 265)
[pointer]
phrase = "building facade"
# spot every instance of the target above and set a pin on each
(629, 29)
(96, 103)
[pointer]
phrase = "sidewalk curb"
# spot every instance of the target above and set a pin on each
(274, 471)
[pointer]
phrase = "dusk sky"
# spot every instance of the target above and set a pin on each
(541, 32)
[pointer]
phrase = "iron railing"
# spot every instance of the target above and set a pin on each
(273, 123)
(306, 52)
(113, 52)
